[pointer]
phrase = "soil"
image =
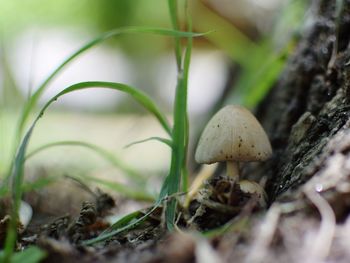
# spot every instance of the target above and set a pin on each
(307, 117)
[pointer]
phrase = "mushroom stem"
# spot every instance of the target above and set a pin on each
(232, 170)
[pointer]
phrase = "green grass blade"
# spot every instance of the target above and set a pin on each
(162, 140)
(10, 242)
(187, 61)
(178, 151)
(17, 172)
(29, 255)
(138, 95)
(31, 103)
(172, 4)
(4, 189)
(3, 126)
(125, 220)
(128, 222)
(107, 155)
(257, 80)
(16, 191)
(172, 184)
(262, 81)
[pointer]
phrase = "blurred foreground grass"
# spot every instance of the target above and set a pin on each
(110, 131)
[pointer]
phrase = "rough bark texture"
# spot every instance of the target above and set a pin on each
(310, 104)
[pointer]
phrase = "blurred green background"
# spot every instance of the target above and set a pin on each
(237, 63)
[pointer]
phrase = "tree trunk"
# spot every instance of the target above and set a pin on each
(307, 117)
(307, 113)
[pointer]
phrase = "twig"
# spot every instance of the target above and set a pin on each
(319, 249)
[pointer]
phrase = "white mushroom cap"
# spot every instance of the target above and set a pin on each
(233, 134)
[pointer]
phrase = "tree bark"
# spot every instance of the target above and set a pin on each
(306, 114)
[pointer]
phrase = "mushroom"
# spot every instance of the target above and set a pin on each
(233, 135)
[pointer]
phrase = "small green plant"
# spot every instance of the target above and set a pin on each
(178, 133)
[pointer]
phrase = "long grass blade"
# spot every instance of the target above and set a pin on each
(255, 81)
(31, 254)
(123, 221)
(17, 172)
(162, 140)
(128, 222)
(31, 103)
(172, 4)
(138, 95)
(187, 61)
(263, 80)
(16, 191)
(171, 184)
(107, 155)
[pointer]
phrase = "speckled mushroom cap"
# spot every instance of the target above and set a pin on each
(235, 134)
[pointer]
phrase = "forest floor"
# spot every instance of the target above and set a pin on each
(307, 118)
(301, 226)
